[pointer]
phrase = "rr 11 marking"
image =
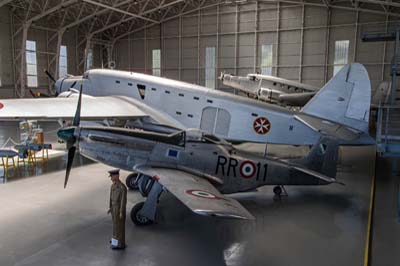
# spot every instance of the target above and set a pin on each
(247, 169)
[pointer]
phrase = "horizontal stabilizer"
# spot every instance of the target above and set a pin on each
(318, 175)
(344, 100)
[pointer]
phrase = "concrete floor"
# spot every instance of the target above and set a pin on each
(43, 224)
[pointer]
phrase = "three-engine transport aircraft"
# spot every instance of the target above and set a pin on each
(340, 109)
(196, 167)
(271, 89)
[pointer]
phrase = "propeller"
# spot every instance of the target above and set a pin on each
(49, 75)
(68, 135)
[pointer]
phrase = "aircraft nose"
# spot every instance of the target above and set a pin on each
(66, 134)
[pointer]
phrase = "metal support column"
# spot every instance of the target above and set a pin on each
(255, 37)
(395, 68)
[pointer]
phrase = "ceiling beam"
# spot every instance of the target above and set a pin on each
(119, 10)
(4, 2)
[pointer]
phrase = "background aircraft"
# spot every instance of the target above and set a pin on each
(286, 92)
(196, 167)
(340, 108)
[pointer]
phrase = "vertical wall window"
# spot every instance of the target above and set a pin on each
(210, 67)
(156, 62)
(62, 65)
(89, 59)
(341, 55)
(266, 59)
(31, 64)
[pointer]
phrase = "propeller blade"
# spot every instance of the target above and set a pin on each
(50, 76)
(71, 154)
(77, 117)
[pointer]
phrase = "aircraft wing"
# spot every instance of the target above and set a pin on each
(93, 108)
(286, 82)
(196, 193)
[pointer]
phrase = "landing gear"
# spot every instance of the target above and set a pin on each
(138, 219)
(144, 213)
(278, 192)
(131, 181)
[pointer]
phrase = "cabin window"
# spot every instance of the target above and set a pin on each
(153, 89)
(117, 81)
(196, 98)
(190, 115)
(167, 92)
(215, 121)
(181, 94)
(130, 84)
(178, 113)
(142, 90)
(209, 101)
(254, 114)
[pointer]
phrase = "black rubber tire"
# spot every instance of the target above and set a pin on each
(277, 190)
(136, 218)
(130, 181)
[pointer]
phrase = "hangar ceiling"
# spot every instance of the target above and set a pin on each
(104, 21)
(108, 19)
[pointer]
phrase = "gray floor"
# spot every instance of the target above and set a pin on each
(43, 224)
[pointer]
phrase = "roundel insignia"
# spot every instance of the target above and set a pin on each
(1, 106)
(247, 169)
(201, 194)
(261, 125)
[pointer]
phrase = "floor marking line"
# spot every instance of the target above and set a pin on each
(369, 227)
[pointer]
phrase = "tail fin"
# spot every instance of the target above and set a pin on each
(341, 107)
(322, 157)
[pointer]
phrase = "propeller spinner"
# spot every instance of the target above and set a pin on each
(68, 135)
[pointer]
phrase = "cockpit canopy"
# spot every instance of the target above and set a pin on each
(196, 135)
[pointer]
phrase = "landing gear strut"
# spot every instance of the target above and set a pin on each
(144, 213)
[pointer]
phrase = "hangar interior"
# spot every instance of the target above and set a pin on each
(196, 41)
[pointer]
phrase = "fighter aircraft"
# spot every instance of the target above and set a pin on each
(271, 89)
(340, 108)
(196, 167)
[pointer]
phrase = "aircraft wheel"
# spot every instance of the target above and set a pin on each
(130, 181)
(136, 218)
(277, 190)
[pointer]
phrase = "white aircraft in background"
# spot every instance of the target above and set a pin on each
(287, 92)
(340, 109)
(271, 89)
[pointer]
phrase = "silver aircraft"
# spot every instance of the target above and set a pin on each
(271, 89)
(196, 167)
(340, 109)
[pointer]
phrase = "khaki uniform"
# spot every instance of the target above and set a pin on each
(118, 211)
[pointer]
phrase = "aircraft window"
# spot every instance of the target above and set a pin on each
(130, 84)
(178, 113)
(190, 115)
(142, 90)
(254, 114)
(153, 89)
(117, 81)
(167, 92)
(274, 83)
(209, 101)
(181, 94)
(196, 98)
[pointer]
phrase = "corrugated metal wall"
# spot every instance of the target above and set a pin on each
(303, 41)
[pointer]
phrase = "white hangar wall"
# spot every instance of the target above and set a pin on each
(303, 42)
